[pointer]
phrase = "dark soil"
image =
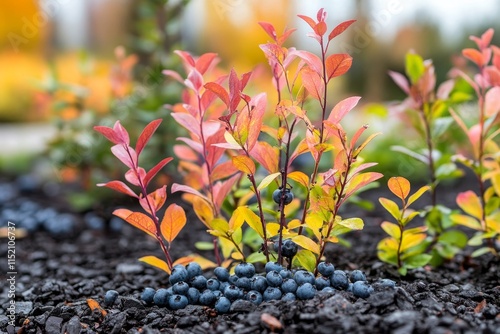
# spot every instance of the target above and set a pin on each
(57, 276)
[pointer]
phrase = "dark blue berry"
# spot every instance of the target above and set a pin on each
(213, 284)
(193, 269)
(289, 285)
(286, 193)
(273, 266)
(179, 274)
(285, 273)
(349, 289)
(148, 295)
(289, 248)
(180, 288)
(223, 286)
(207, 298)
(339, 280)
(161, 297)
(244, 283)
(326, 269)
(361, 289)
(357, 275)
(244, 269)
(387, 282)
(289, 296)
(222, 305)
(176, 302)
(302, 276)
(222, 274)
(271, 293)
(328, 289)
(322, 282)
(232, 292)
(306, 291)
(193, 295)
(110, 297)
(259, 283)
(274, 279)
(218, 293)
(254, 296)
(232, 279)
(199, 282)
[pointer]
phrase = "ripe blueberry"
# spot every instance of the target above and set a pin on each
(148, 295)
(302, 276)
(322, 282)
(161, 297)
(259, 283)
(110, 297)
(207, 298)
(176, 302)
(289, 296)
(289, 285)
(271, 293)
(273, 266)
(193, 295)
(221, 273)
(213, 284)
(306, 291)
(222, 305)
(326, 269)
(232, 293)
(254, 296)
(199, 282)
(180, 288)
(244, 269)
(193, 269)
(339, 280)
(357, 275)
(244, 283)
(179, 274)
(287, 196)
(361, 289)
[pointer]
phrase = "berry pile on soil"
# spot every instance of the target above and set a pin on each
(61, 284)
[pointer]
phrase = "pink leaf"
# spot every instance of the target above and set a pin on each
(146, 135)
(496, 56)
(219, 91)
(493, 75)
(108, 133)
(153, 171)
(340, 29)
(313, 83)
(185, 153)
(180, 187)
(342, 108)
(321, 15)
(285, 36)
(401, 81)
(269, 29)
(197, 146)
(311, 59)
(492, 102)
(445, 89)
(118, 186)
(194, 80)
(125, 154)
(234, 90)
(308, 20)
(132, 176)
(188, 122)
(214, 153)
(475, 56)
(485, 40)
(221, 189)
(121, 133)
(174, 75)
(187, 59)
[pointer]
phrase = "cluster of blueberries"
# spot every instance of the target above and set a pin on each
(189, 286)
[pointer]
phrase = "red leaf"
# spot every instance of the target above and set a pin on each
(194, 80)
(173, 221)
(401, 81)
(337, 64)
(273, 52)
(204, 62)
(132, 177)
(342, 108)
(187, 189)
(321, 15)
(146, 135)
(185, 153)
(125, 154)
(266, 155)
(475, 56)
(187, 59)
(156, 199)
(285, 36)
(221, 189)
(108, 133)
(121, 133)
(234, 90)
(308, 20)
(214, 153)
(244, 79)
(174, 75)
(320, 28)
(118, 186)
(153, 171)
(269, 29)
(259, 104)
(219, 91)
(313, 83)
(340, 29)
(485, 40)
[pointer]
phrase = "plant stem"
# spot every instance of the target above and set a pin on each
(261, 215)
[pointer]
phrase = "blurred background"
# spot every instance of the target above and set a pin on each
(66, 65)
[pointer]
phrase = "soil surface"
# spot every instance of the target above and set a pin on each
(58, 277)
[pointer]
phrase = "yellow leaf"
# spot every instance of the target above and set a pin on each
(391, 229)
(226, 246)
(295, 223)
(411, 240)
(137, 219)
(272, 229)
(391, 207)
(306, 243)
(300, 178)
(237, 219)
(173, 222)
(467, 221)
(470, 203)
(417, 194)
(267, 180)
(399, 186)
(244, 164)
(252, 220)
(94, 305)
(292, 208)
(237, 256)
(352, 223)
(202, 261)
(203, 211)
(155, 262)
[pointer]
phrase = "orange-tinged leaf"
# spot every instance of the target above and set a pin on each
(399, 186)
(340, 29)
(244, 164)
(156, 262)
(203, 262)
(219, 91)
(266, 155)
(360, 181)
(474, 55)
(156, 199)
(392, 229)
(342, 108)
(313, 83)
(173, 222)
(337, 64)
(118, 186)
(320, 28)
(411, 240)
(94, 305)
(466, 221)
(146, 134)
(300, 178)
(137, 219)
(470, 203)
(222, 171)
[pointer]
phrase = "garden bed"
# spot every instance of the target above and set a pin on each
(57, 277)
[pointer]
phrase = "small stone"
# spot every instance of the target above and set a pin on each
(188, 321)
(73, 326)
(24, 308)
(452, 288)
(242, 306)
(129, 269)
(53, 325)
(130, 302)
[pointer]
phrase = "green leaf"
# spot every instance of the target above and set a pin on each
(415, 67)
(306, 259)
(441, 125)
(482, 251)
(417, 261)
(448, 171)
(204, 245)
(453, 237)
(391, 207)
(417, 156)
(256, 257)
